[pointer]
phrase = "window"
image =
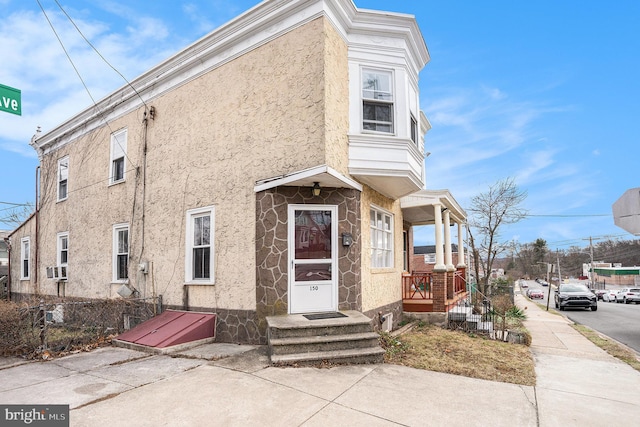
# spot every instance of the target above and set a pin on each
(377, 101)
(381, 239)
(413, 114)
(120, 252)
(118, 154)
(63, 249)
(25, 257)
(414, 130)
(199, 245)
(63, 175)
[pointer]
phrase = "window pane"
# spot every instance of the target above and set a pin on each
(201, 257)
(123, 271)
(376, 85)
(118, 169)
(123, 241)
(62, 191)
(63, 257)
(313, 272)
(313, 234)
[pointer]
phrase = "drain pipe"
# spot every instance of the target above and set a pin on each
(37, 218)
(8, 243)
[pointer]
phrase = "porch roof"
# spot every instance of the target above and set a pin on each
(324, 175)
(418, 208)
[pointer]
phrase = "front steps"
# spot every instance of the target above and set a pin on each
(295, 340)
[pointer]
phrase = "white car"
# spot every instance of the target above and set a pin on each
(628, 295)
(609, 296)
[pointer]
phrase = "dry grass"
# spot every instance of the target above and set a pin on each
(454, 352)
(611, 347)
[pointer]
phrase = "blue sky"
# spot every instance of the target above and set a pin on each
(544, 92)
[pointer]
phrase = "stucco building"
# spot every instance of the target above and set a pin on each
(273, 167)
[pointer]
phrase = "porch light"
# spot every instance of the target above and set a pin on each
(316, 189)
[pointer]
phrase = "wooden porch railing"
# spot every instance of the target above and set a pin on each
(417, 286)
(459, 282)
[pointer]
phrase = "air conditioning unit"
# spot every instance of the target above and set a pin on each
(61, 272)
(50, 272)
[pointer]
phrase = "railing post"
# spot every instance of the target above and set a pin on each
(159, 302)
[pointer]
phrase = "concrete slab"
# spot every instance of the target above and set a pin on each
(249, 362)
(104, 356)
(338, 415)
(30, 374)
(412, 396)
(326, 384)
(74, 390)
(215, 351)
(145, 371)
(205, 396)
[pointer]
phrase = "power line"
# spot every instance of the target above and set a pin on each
(567, 216)
(78, 73)
(14, 204)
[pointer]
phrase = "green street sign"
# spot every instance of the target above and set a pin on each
(10, 100)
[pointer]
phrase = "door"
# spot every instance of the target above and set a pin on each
(313, 272)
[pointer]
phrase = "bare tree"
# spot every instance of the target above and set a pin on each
(489, 211)
(15, 214)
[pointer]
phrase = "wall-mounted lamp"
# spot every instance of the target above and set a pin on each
(316, 189)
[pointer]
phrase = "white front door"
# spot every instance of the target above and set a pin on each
(313, 272)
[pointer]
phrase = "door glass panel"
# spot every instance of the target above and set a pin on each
(313, 272)
(313, 235)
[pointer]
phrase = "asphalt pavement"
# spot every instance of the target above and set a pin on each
(578, 384)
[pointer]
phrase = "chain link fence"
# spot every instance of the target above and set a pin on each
(50, 326)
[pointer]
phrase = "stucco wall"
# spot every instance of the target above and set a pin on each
(260, 115)
(380, 286)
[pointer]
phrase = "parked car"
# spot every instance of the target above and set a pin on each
(535, 294)
(523, 284)
(575, 295)
(600, 293)
(543, 282)
(609, 296)
(628, 295)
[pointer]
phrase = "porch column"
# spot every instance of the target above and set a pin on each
(448, 258)
(439, 255)
(461, 255)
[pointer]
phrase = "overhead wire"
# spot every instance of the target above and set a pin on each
(95, 104)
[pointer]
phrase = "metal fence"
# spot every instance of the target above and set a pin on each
(51, 326)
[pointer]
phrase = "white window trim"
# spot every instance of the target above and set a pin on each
(188, 272)
(373, 247)
(120, 138)
(393, 102)
(25, 255)
(59, 180)
(114, 254)
(59, 248)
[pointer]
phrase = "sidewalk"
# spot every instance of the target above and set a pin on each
(231, 385)
(577, 382)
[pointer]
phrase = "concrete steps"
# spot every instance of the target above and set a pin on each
(294, 339)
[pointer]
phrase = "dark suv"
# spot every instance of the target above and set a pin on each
(575, 295)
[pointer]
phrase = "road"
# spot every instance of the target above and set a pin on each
(618, 321)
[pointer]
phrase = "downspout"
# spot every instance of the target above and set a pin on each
(37, 250)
